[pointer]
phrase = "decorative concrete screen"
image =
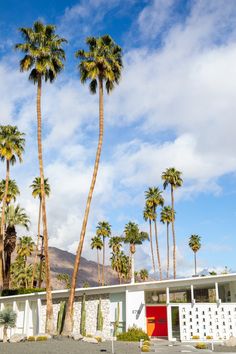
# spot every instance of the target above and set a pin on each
(207, 321)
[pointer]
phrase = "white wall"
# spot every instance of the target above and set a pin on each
(135, 309)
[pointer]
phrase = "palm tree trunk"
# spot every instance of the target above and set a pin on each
(195, 262)
(68, 324)
(98, 267)
(103, 262)
(157, 248)
(151, 244)
(173, 231)
(49, 328)
(168, 250)
(2, 236)
(37, 245)
(132, 268)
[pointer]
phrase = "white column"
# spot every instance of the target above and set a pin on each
(218, 300)
(192, 295)
(169, 323)
(167, 296)
(26, 317)
(126, 310)
(39, 315)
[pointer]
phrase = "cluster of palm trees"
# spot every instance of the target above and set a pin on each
(120, 262)
(153, 200)
(44, 57)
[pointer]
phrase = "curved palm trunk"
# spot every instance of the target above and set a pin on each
(103, 262)
(157, 248)
(37, 245)
(173, 232)
(68, 324)
(49, 327)
(168, 250)
(151, 244)
(195, 262)
(2, 236)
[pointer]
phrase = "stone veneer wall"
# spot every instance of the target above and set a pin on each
(92, 302)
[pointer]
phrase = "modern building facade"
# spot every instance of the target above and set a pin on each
(186, 309)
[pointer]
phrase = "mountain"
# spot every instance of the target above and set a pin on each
(63, 262)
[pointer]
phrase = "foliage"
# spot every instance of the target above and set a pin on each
(61, 317)
(102, 62)
(133, 236)
(201, 346)
(85, 284)
(13, 292)
(12, 143)
(99, 339)
(31, 339)
(195, 337)
(195, 243)
(117, 320)
(36, 187)
(96, 242)
(63, 277)
(41, 338)
(100, 316)
(145, 348)
(83, 317)
(8, 318)
(16, 216)
(12, 192)
(173, 177)
(133, 334)
(143, 273)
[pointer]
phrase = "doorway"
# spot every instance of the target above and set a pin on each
(157, 321)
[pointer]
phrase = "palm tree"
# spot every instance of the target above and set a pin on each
(134, 237)
(172, 177)
(65, 278)
(43, 57)
(101, 65)
(124, 266)
(21, 274)
(36, 193)
(7, 320)
(12, 193)
(149, 215)
(154, 199)
(12, 144)
(104, 231)
(166, 218)
(195, 245)
(15, 216)
(25, 247)
(96, 242)
(115, 244)
(143, 273)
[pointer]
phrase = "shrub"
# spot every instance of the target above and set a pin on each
(145, 349)
(89, 336)
(133, 334)
(195, 337)
(99, 339)
(201, 346)
(209, 337)
(31, 339)
(146, 342)
(41, 338)
(12, 292)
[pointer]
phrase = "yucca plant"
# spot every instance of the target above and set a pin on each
(7, 320)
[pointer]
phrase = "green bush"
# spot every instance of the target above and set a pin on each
(201, 346)
(41, 338)
(145, 349)
(146, 342)
(31, 339)
(133, 334)
(12, 292)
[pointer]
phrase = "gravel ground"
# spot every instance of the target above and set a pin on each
(224, 349)
(67, 347)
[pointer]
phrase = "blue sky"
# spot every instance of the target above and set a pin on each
(175, 106)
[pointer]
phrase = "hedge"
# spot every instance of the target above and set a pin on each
(12, 292)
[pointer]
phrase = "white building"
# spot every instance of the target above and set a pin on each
(185, 309)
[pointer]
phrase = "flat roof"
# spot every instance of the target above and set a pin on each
(151, 285)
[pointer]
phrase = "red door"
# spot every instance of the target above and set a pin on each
(157, 321)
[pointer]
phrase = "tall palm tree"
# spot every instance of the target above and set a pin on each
(96, 242)
(133, 237)
(104, 231)
(143, 273)
(154, 199)
(25, 247)
(12, 144)
(43, 57)
(12, 193)
(36, 193)
(166, 218)
(101, 65)
(15, 216)
(149, 215)
(172, 177)
(195, 245)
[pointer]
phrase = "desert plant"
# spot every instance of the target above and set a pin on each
(201, 346)
(133, 334)
(7, 320)
(195, 337)
(31, 339)
(209, 337)
(145, 348)
(117, 320)
(100, 316)
(41, 338)
(61, 317)
(83, 317)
